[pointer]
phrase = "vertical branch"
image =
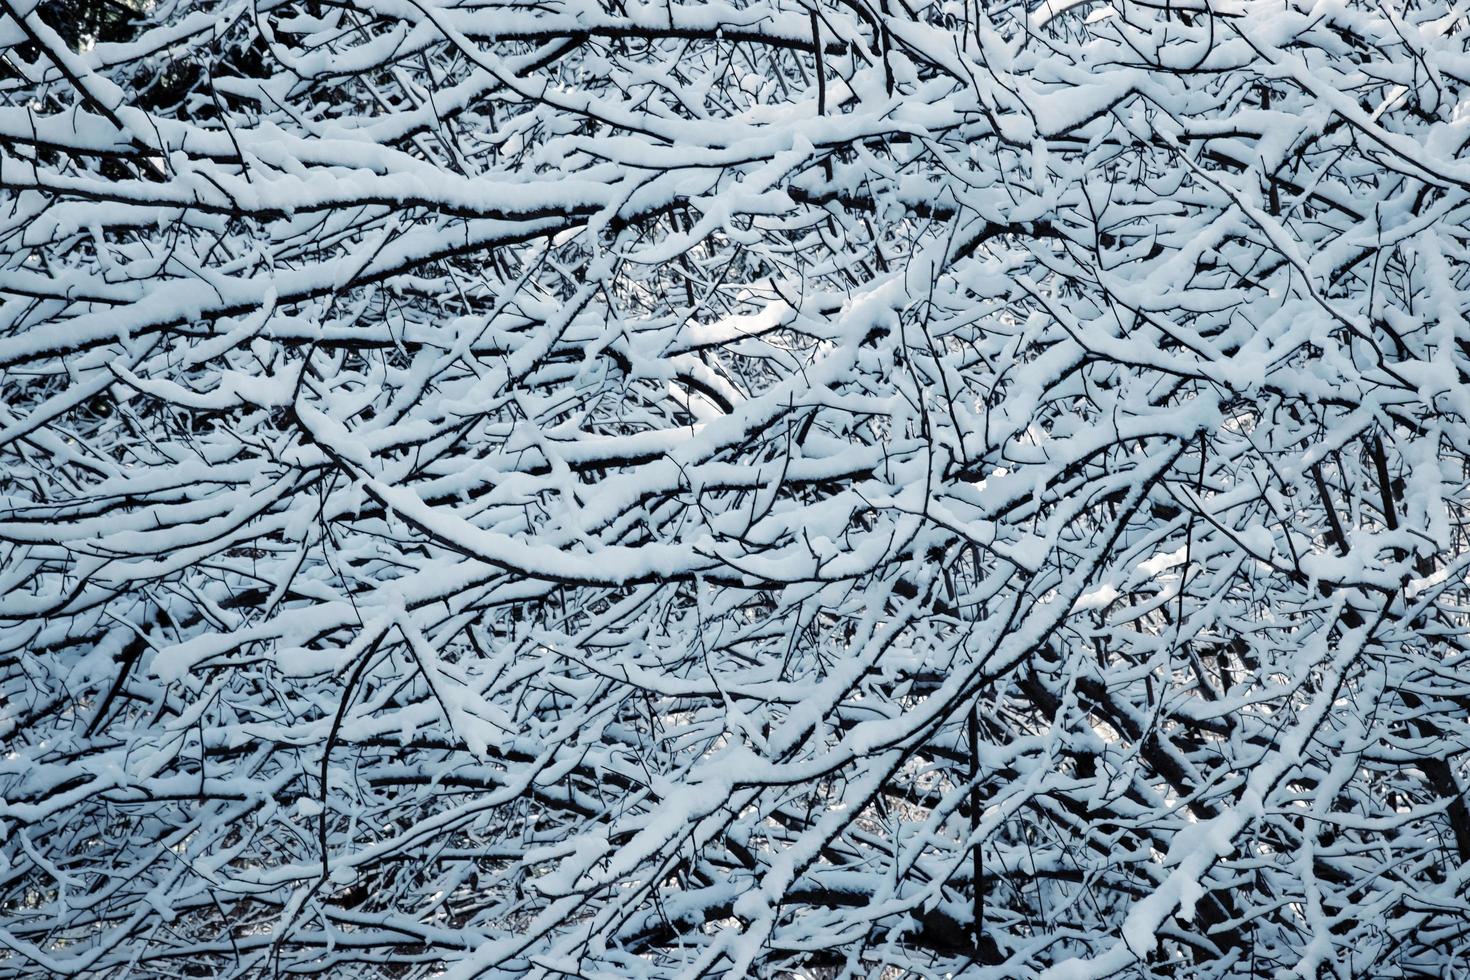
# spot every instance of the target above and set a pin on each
(976, 858)
(821, 63)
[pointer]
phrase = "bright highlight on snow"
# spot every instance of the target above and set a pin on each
(824, 489)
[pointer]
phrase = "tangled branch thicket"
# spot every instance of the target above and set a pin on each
(866, 488)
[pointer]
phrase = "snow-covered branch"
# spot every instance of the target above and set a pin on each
(864, 488)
